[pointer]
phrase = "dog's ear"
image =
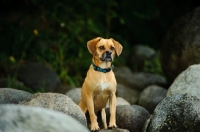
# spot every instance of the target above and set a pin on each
(91, 45)
(118, 47)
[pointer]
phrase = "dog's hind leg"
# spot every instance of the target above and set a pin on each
(103, 116)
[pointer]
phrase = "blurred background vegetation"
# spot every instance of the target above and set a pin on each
(56, 31)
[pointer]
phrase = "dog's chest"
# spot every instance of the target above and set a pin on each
(103, 85)
(103, 82)
(101, 95)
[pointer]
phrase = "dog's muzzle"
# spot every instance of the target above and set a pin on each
(107, 56)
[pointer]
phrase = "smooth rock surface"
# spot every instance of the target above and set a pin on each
(75, 94)
(38, 77)
(13, 96)
(17, 118)
(138, 80)
(130, 117)
(151, 96)
(127, 93)
(187, 82)
(58, 102)
(119, 101)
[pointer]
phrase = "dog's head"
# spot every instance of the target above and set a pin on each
(104, 49)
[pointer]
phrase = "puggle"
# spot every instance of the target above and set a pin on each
(100, 84)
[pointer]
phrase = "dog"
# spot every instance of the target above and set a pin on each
(100, 84)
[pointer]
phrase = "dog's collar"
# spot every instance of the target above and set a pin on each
(96, 68)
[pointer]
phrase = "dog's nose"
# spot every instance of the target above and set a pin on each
(108, 52)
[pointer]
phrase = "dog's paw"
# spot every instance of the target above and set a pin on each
(95, 130)
(112, 125)
(95, 127)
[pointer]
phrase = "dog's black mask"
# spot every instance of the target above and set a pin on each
(106, 56)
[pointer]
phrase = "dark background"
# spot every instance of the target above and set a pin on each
(56, 31)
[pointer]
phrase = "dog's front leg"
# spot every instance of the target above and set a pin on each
(103, 116)
(93, 118)
(112, 102)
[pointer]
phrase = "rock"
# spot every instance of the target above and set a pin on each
(58, 102)
(145, 79)
(129, 117)
(119, 101)
(138, 55)
(4, 82)
(114, 130)
(146, 125)
(187, 82)
(180, 47)
(151, 96)
(137, 80)
(128, 94)
(38, 77)
(13, 96)
(75, 94)
(176, 113)
(122, 69)
(17, 118)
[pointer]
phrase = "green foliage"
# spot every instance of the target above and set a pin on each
(11, 83)
(153, 66)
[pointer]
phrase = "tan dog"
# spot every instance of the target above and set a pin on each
(100, 83)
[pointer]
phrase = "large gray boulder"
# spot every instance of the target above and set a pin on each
(130, 117)
(127, 93)
(119, 101)
(58, 102)
(176, 113)
(13, 96)
(38, 77)
(138, 55)
(151, 96)
(122, 69)
(74, 94)
(17, 118)
(139, 80)
(180, 47)
(187, 82)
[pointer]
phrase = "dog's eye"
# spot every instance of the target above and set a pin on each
(101, 48)
(112, 48)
